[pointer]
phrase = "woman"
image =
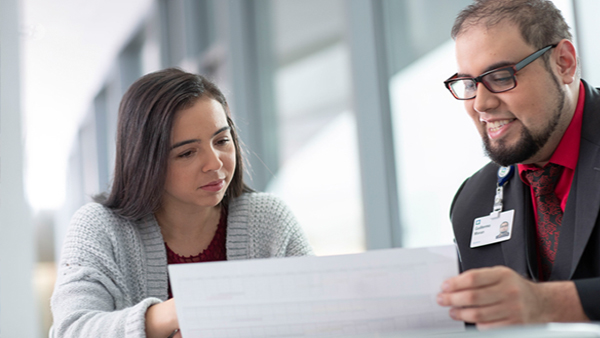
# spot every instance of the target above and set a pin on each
(178, 195)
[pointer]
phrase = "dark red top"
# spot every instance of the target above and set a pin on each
(214, 252)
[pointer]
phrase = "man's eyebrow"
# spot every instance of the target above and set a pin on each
(496, 65)
(182, 143)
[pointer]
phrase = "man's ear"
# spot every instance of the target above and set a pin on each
(565, 59)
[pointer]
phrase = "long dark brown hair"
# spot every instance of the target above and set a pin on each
(146, 115)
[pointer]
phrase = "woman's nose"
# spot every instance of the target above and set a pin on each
(212, 161)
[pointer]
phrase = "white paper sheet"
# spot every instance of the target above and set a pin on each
(373, 292)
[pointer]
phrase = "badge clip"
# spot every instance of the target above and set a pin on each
(497, 202)
(504, 174)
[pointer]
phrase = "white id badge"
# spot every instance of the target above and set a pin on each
(489, 230)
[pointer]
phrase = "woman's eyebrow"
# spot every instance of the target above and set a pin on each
(182, 143)
(221, 130)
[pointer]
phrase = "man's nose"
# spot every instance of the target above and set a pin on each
(485, 100)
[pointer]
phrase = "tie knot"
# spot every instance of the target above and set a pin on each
(544, 181)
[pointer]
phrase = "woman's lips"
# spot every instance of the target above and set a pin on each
(214, 186)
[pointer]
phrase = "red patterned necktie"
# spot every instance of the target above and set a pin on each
(549, 213)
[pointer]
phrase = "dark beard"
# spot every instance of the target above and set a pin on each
(528, 145)
(523, 150)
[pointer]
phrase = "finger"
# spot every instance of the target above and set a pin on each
(475, 278)
(487, 315)
(484, 296)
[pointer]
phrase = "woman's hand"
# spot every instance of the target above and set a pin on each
(161, 320)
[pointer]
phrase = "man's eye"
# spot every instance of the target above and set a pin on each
(470, 85)
(502, 80)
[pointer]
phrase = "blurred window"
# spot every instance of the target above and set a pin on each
(319, 170)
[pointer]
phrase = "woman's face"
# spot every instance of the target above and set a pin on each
(202, 157)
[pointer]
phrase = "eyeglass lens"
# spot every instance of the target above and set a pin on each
(496, 81)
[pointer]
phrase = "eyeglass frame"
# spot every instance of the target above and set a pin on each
(511, 69)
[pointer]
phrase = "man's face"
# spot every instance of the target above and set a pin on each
(504, 227)
(522, 125)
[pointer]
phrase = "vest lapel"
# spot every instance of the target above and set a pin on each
(582, 212)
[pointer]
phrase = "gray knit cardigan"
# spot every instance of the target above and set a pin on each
(113, 269)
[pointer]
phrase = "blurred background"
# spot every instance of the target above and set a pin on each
(340, 104)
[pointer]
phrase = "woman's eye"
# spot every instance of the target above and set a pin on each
(223, 141)
(185, 154)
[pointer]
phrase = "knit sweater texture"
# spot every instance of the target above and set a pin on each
(113, 269)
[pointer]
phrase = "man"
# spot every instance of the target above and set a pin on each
(503, 230)
(519, 80)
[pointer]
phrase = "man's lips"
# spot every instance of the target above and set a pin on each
(496, 128)
(496, 125)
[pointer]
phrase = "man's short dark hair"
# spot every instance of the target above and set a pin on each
(540, 22)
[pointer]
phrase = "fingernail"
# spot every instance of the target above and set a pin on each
(453, 313)
(445, 286)
(440, 300)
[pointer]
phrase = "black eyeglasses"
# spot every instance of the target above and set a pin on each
(496, 80)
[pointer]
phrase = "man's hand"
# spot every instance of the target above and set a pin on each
(498, 296)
